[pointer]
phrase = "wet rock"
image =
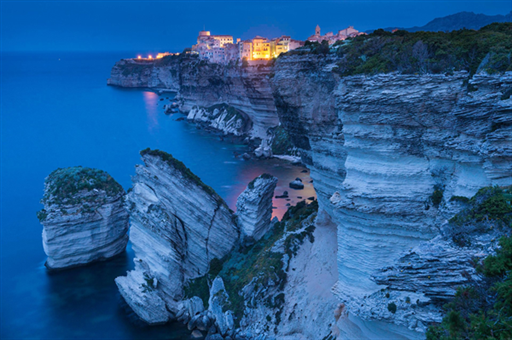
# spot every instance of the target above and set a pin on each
(296, 184)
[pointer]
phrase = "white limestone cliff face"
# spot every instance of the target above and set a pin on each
(244, 88)
(254, 208)
(225, 119)
(201, 84)
(83, 218)
(178, 225)
(378, 148)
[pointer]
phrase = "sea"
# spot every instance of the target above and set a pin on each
(57, 111)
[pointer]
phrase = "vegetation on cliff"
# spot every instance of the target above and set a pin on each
(483, 310)
(260, 264)
(281, 143)
(489, 48)
(65, 183)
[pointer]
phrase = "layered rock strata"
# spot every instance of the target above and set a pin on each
(222, 118)
(178, 225)
(83, 219)
(201, 84)
(254, 208)
(387, 152)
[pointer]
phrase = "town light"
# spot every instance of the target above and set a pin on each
(139, 57)
(150, 56)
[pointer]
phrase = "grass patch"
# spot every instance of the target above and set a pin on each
(62, 185)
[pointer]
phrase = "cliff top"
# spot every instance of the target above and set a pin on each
(187, 173)
(65, 183)
(487, 49)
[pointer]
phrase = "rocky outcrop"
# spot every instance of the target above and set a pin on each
(254, 208)
(178, 226)
(160, 73)
(387, 152)
(244, 88)
(201, 85)
(83, 219)
(222, 118)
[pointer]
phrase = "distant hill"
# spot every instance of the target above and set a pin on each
(457, 21)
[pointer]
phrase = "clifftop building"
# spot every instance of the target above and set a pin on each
(332, 38)
(221, 49)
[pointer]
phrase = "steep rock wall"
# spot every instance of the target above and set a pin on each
(379, 147)
(254, 207)
(178, 225)
(204, 84)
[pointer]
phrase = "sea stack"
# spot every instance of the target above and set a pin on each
(178, 226)
(254, 207)
(83, 219)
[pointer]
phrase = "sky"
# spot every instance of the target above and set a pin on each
(158, 26)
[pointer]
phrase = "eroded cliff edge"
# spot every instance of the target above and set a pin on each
(387, 153)
(201, 85)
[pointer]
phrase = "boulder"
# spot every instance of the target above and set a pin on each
(296, 184)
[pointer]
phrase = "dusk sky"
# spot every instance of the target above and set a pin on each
(146, 26)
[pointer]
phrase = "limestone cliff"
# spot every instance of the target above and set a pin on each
(254, 207)
(387, 153)
(83, 219)
(200, 84)
(392, 156)
(178, 226)
(224, 118)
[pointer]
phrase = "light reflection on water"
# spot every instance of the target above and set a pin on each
(152, 110)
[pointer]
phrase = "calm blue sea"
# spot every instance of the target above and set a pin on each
(56, 111)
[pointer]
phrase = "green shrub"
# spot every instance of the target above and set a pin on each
(459, 199)
(64, 184)
(486, 314)
(42, 215)
(437, 197)
(489, 203)
(392, 307)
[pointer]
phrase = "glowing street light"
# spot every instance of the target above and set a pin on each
(150, 56)
(139, 57)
